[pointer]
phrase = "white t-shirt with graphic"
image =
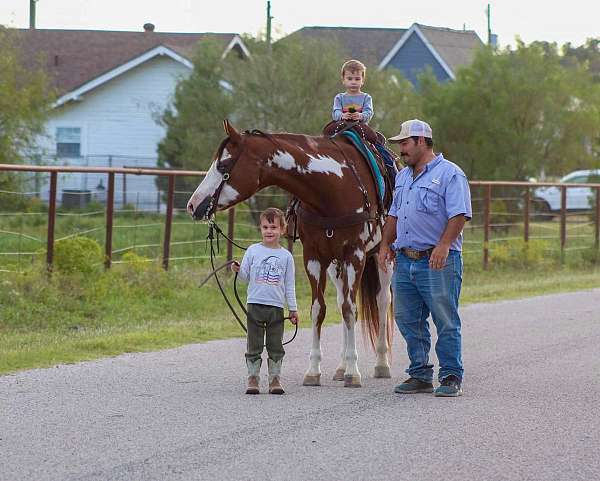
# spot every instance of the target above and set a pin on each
(271, 276)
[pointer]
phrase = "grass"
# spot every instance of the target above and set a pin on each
(137, 308)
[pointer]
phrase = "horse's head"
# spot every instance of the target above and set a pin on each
(233, 177)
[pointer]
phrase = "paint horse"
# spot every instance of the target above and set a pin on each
(338, 221)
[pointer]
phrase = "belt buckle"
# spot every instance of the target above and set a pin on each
(411, 254)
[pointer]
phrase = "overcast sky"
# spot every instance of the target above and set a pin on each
(573, 21)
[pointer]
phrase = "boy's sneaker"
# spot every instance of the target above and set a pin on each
(413, 386)
(450, 386)
(252, 385)
(275, 386)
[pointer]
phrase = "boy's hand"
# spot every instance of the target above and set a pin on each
(235, 266)
(347, 116)
(294, 317)
(356, 116)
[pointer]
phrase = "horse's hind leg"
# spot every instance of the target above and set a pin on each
(316, 276)
(382, 347)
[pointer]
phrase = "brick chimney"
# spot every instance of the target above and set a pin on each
(148, 27)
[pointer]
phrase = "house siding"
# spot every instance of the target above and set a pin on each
(118, 122)
(414, 57)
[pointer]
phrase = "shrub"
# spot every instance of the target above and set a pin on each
(77, 254)
(518, 253)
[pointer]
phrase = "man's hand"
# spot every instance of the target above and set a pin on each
(437, 259)
(235, 266)
(385, 256)
(294, 317)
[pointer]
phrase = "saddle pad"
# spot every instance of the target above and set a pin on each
(368, 155)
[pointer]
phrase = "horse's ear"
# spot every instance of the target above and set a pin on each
(230, 131)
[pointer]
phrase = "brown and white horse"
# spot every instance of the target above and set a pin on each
(339, 224)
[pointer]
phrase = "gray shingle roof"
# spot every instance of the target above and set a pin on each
(456, 47)
(369, 45)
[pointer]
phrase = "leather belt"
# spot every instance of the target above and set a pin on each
(415, 254)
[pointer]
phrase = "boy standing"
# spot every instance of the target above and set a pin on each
(269, 268)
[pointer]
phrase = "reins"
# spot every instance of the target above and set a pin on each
(213, 238)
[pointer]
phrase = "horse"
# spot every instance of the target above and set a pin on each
(339, 222)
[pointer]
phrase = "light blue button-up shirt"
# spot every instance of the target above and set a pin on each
(423, 206)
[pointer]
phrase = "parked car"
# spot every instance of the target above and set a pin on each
(546, 200)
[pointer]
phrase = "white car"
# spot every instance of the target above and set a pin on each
(546, 200)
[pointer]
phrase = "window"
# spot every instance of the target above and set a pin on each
(68, 142)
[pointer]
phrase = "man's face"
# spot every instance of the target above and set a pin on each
(411, 151)
(352, 81)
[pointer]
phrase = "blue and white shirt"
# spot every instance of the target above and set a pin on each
(423, 206)
(271, 276)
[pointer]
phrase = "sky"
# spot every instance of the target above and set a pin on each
(573, 22)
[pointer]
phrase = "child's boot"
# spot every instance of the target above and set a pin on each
(253, 376)
(274, 375)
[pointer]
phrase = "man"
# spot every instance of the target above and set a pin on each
(423, 231)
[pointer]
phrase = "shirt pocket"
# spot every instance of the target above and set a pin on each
(429, 198)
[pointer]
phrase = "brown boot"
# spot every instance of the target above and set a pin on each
(274, 373)
(252, 385)
(253, 376)
(275, 386)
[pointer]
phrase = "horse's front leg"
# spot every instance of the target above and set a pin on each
(346, 278)
(317, 278)
(382, 347)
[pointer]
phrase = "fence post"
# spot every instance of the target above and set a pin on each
(526, 215)
(563, 220)
(168, 222)
(110, 200)
(486, 226)
(597, 223)
(124, 191)
(230, 232)
(51, 221)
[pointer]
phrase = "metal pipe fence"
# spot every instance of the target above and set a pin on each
(502, 212)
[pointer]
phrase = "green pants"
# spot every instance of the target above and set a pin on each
(263, 318)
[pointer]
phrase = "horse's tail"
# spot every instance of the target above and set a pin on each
(367, 301)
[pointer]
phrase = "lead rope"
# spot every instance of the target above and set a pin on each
(212, 238)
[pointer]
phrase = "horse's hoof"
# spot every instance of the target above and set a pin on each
(339, 375)
(382, 372)
(312, 380)
(352, 381)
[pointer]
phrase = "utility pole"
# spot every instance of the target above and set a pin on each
(489, 23)
(32, 14)
(269, 18)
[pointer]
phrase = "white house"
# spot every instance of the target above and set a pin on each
(113, 86)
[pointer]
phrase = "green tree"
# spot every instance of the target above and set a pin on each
(25, 100)
(515, 114)
(194, 122)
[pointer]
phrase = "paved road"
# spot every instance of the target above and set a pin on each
(530, 411)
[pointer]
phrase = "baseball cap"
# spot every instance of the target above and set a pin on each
(413, 128)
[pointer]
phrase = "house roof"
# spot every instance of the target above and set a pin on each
(73, 58)
(369, 45)
(456, 47)
(377, 46)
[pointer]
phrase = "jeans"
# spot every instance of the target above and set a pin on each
(419, 291)
(265, 323)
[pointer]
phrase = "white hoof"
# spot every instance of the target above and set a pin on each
(339, 375)
(312, 380)
(382, 372)
(352, 381)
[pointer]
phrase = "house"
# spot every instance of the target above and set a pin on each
(112, 88)
(410, 50)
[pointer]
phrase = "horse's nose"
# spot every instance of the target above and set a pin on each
(190, 208)
(201, 209)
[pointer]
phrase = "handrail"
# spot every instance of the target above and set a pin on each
(99, 170)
